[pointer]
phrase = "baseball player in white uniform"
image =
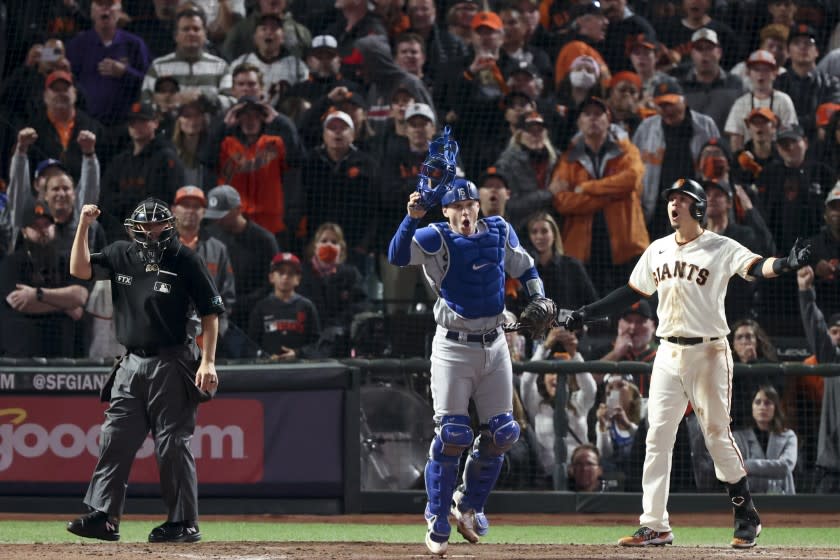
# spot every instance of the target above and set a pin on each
(465, 260)
(690, 270)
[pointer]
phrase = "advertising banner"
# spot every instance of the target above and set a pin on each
(269, 444)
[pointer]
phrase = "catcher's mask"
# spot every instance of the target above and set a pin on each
(151, 245)
(691, 189)
(438, 170)
(460, 189)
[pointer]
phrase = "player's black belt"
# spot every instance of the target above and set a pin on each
(485, 338)
(689, 341)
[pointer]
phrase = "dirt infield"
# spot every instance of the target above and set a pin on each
(380, 551)
(209, 550)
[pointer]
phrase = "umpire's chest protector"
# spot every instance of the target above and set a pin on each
(475, 278)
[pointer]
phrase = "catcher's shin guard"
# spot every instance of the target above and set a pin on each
(453, 436)
(485, 461)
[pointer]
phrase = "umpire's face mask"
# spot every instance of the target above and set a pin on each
(152, 240)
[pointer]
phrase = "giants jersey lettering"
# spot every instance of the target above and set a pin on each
(691, 280)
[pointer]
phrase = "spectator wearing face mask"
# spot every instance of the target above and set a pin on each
(580, 84)
(332, 284)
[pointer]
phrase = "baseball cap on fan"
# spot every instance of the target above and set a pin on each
(641, 307)
(794, 132)
(190, 191)
(46, 164)
(705, 34)
(35, 210)
(667, 91)
(282, 259)
(325, 42)
(220, 201)
(420, 110)
(340, 115)
(833, 194)
(58, 76)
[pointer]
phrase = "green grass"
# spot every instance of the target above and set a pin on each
(137, 531)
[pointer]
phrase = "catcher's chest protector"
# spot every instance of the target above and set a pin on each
(473, 285)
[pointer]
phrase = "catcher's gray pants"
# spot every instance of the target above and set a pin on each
(464, 370)
(148, 394)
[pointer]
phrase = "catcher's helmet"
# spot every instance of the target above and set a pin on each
(151, 211)
(691, 189)
(461, 189)
(438, 170)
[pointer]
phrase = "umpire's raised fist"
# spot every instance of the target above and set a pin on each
(89, 213)
(574, 322)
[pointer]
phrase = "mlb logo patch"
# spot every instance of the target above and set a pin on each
(124, 279)
(163, 287)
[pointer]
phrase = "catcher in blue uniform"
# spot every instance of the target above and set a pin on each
(465, 260)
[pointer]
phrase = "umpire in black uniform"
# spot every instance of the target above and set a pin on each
(159, 382)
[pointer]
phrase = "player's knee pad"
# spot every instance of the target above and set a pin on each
(486, 459)
(501, 433)
(454, 435)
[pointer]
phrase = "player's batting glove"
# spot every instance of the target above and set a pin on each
(574, 322)
(538, 317)
(799, 255)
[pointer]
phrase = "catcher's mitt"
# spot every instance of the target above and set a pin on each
(538, 317)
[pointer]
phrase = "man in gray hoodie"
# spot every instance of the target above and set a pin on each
(824, 346)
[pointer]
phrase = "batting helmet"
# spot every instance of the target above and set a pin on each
(461, 189)
(151, 245)
(691, 189)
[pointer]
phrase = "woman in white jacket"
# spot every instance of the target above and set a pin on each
(538, 392)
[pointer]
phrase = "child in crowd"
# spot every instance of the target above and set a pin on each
(285, 324)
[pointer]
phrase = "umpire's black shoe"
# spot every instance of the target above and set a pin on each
(95, 525)
(176, 531)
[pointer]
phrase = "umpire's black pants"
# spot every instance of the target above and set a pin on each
(156, 394)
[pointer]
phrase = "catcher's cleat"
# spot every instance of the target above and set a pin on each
(645, 536)
(175, 531)
(482, 524)
(747, 528)
(436, 547)
(95, 525)
(437, 534)
(465, 523)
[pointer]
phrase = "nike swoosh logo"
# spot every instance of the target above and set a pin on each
(662, 251)
(480, 266)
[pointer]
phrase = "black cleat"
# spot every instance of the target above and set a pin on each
(95, 525)
(175, 531)
(747, 528)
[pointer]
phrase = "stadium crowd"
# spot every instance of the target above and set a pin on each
(287, 134)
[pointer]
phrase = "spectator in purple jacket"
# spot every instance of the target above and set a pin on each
(109, 64)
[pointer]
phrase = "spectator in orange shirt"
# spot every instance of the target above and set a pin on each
(254, 162)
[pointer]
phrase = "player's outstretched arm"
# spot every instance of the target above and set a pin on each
(771, 267)
(612, 303)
